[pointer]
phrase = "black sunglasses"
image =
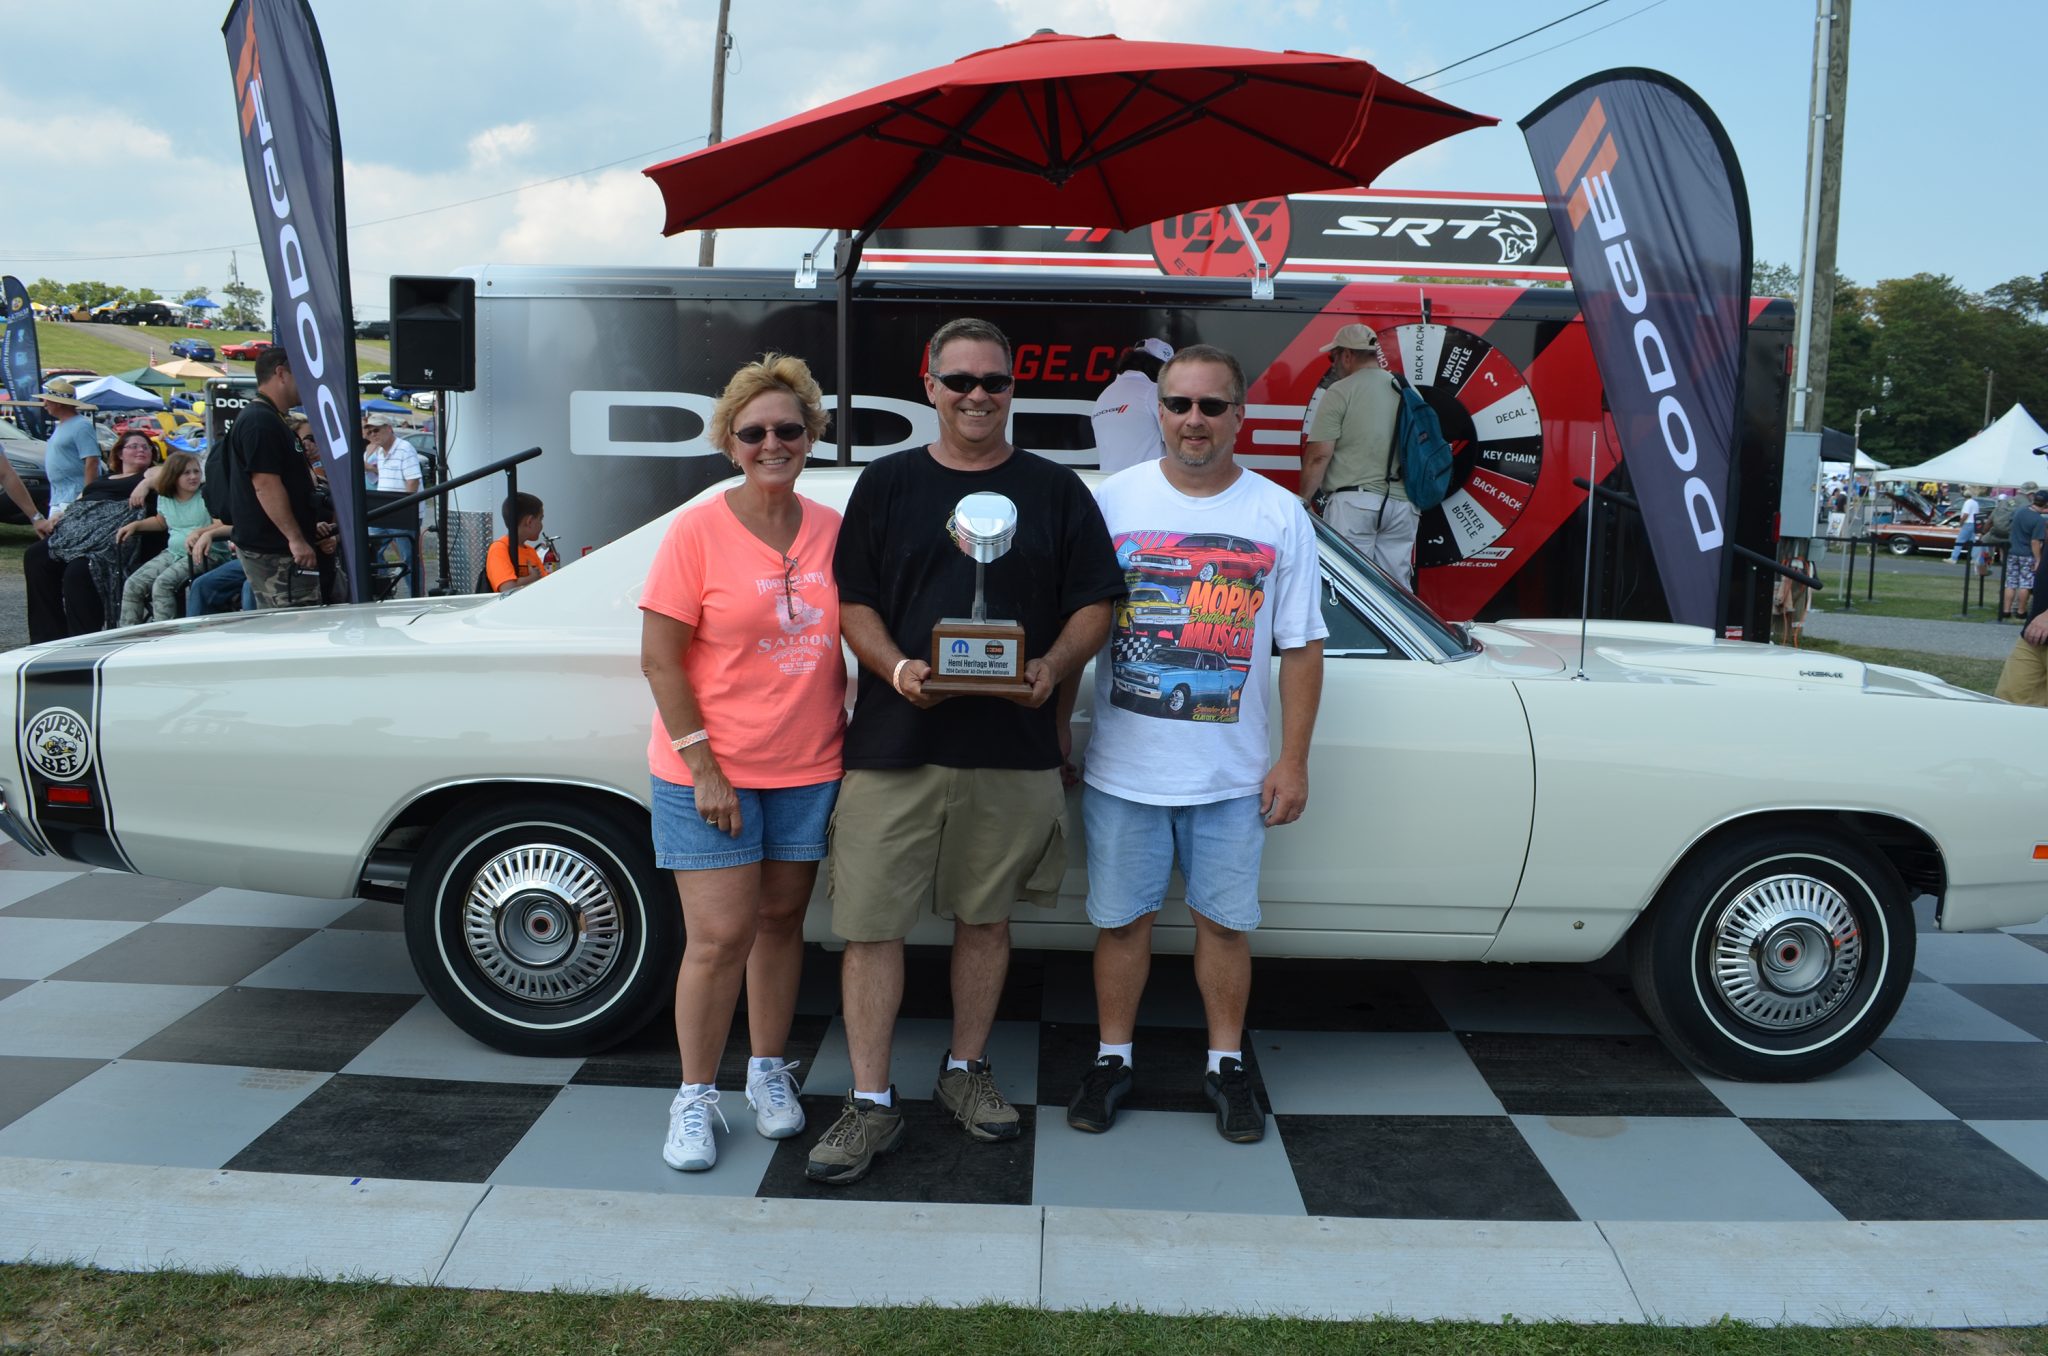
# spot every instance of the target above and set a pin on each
(960, 383)
(1209, 405)
(753, 435)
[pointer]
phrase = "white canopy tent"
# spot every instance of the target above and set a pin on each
(2004, 454)
(1864, 462)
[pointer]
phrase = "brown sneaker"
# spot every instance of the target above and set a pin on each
(863, 1132)
(971, 1096)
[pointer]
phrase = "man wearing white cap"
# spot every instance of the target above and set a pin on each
(1350, 452)
(72, 458)
(1126, 414)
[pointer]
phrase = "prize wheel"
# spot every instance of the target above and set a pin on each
(1489, 413)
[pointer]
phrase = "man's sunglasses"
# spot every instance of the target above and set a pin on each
(753, 435)
(960, 383)
(1209, 405)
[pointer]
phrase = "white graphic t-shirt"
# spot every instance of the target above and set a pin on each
(1217, 585)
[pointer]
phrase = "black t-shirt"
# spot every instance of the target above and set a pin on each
(261, 444)
(895, 556)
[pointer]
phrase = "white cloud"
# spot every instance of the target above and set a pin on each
(503, 142)
(609, 216)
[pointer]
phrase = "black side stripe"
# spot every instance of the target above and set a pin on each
(58, 747)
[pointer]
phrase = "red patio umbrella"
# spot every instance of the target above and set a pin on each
(1058, 129)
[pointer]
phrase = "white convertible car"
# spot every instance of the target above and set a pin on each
(1473, 797)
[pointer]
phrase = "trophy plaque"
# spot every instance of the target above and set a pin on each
(973, 655)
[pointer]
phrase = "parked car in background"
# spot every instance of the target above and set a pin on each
(1905, 538)
(145, 313)
(422, 400)
(373, 382)
(373, 329)
(49, 372)
(26, 455)
(246, 350)
(196, 349)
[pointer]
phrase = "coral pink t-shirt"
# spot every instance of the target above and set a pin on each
(765, 661)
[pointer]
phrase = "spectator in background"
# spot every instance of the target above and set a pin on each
(525, 520)
(157, 586)
(394, 461)
(73, 579)
(1350, 455)
(1966, 535)
(2023, 553)
(271, 486)
(1126, 414)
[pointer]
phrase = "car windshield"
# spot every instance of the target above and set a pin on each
(1450, 640)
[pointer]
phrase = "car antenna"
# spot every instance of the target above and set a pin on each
(1586, 576)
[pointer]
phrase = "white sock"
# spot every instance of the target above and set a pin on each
(1216, 1058)
(1104, 1051)
(886, 1097)
(697, 1089)
(952, 1063)
(763, 1064)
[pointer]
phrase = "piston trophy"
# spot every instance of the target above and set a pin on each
(973, 655)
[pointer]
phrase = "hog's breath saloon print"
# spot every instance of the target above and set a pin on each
(1183, 637)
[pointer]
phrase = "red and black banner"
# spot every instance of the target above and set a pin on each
(1649, 205)
(291, 153)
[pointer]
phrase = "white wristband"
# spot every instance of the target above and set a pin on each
(694, 737)
(896, 677)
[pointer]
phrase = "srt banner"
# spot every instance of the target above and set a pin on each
(291, 152)
(1649, 205)
(21, 371)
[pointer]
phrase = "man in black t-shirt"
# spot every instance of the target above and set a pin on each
(952, 804)
(271, 492)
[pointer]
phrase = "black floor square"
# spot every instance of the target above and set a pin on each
(1321, 995)
(1587, 1076)
(1167, 1064)
(650, 1059)
(11, 986)
(1419, 1167)
(309, 1029)
(928, 985)
(26, 1082)
(185, 953)
(138, 899)
(1977, 1080)
(935, 1163)
(2024, 1005)
(1907, 1169)
(2036, 940)
(372, 915)
(423, 1129)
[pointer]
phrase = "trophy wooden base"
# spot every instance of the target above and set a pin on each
(971, 658)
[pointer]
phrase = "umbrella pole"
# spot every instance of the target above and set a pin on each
(842, 419)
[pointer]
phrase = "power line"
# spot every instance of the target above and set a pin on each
(1509, 43)
(62, 258)
(1553, 47)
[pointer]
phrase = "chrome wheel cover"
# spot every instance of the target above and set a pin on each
(542, 923)
(1786, 952)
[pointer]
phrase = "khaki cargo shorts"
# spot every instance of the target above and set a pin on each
(965, 843)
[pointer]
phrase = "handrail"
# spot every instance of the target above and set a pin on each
(439, 493)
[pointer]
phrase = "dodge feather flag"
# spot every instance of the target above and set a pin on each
(1649, 206)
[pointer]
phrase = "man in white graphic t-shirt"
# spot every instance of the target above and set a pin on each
(1223, 571)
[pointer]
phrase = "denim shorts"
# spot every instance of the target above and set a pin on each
(782, 824)
(1132, 848)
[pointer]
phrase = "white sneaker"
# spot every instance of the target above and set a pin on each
(772, 1093)
(690, 1146)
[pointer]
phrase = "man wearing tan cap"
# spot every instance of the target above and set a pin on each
(72, 458)
(1350, 450)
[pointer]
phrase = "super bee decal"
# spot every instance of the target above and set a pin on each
(1182, 642)
(58, 744)
(58, 694)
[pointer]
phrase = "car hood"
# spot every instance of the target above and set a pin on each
(1662, 652)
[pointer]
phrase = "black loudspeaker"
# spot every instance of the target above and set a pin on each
(433, 333)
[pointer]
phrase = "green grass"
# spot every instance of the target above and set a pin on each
(1900, 593)
(1978, 675)
(48, 1309)
(64, 345)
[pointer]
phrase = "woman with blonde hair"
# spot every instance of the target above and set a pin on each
(740, 644)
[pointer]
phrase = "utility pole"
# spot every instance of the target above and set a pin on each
(707, 241)
(1988, 375)
(1823, 212)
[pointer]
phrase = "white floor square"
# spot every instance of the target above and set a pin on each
(919, 1050)
(1980, 958)
(255, 908)
(1935, 1012)
(1371, 1073)
(1669, 1168)
(425, 1044)
(1125, 1168)
(81, 1020)
(609, 1139)
(198, 1115)
(2025, 1140)
(35, 948)
(1511, 998)
(351, 962)
(1866, 1088)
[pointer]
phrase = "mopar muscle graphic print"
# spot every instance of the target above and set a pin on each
(1181, 646)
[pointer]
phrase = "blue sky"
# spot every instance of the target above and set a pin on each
(446, 101)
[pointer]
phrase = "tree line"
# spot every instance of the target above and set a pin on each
(241, 305)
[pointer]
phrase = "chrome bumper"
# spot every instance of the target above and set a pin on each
(15, 828)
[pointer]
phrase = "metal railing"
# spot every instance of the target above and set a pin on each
(439, 494)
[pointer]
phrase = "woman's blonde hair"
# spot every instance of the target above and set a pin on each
(775, 372)
(173, 470)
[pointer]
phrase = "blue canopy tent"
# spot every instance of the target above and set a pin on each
(112, 393)
(201, 304)
(380, 406)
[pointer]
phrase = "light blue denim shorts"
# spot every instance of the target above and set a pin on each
(782, 824)
(1132, 849)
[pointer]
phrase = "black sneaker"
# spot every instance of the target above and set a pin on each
(1107, 1082)
(1239, 1118)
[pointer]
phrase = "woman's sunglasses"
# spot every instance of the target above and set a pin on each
(753, 435)
(960, 383)
(1209, 405)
